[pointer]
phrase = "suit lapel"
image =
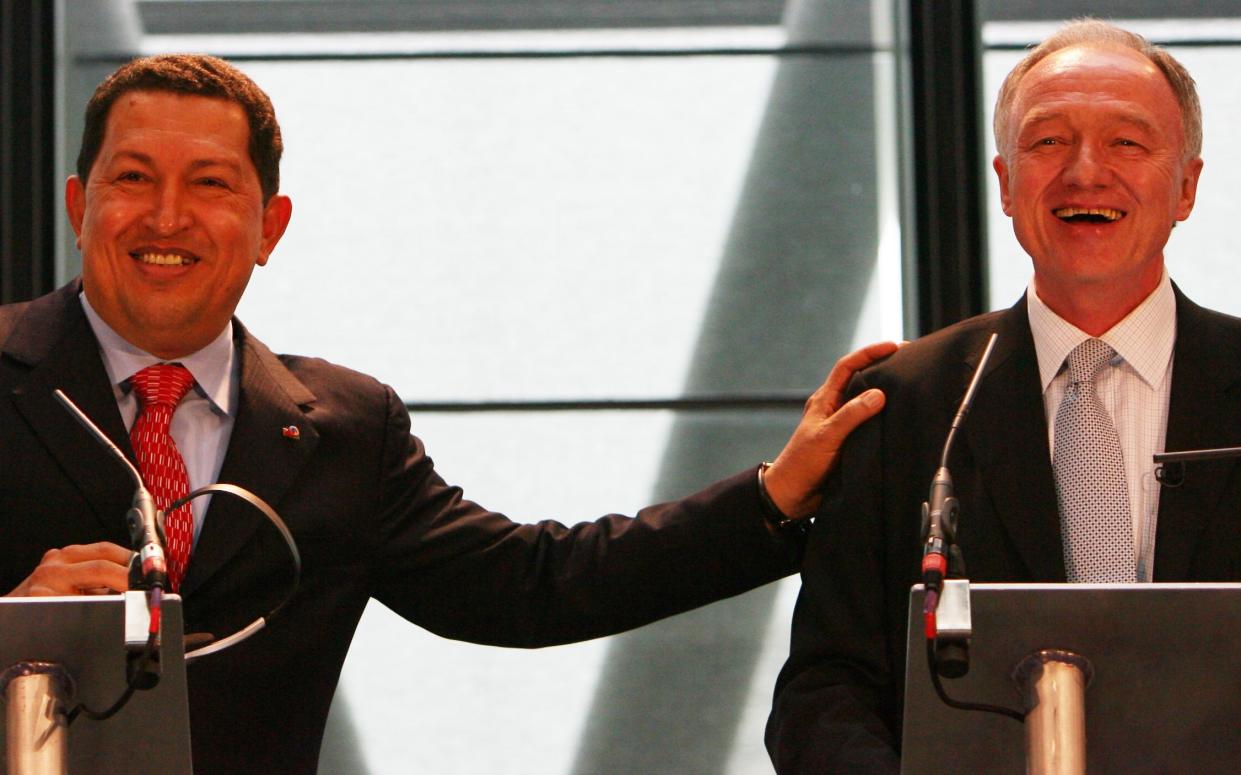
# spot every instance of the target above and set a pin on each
(1007, 433)
(1204, 412)
(260, 457)
(55, 339)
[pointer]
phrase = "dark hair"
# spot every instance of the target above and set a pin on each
(194, 74)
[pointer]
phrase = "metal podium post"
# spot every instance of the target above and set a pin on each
(35, 697)
(57, 653)
(1053, 683)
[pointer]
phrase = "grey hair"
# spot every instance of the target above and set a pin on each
(1095, 32)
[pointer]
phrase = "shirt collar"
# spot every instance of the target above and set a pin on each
(212, 366)
(1143, 339)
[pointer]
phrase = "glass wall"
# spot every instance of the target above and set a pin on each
(604, 252)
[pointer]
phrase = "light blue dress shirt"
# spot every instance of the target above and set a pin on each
(203, 421)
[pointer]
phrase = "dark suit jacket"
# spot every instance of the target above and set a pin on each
(372, 518)
(838, 699)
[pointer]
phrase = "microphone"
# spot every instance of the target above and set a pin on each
(148, 570)
(1170, 466)
(146, 536)
(940, 510)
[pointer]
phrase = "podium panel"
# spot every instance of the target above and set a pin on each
(86, 635)
(1166, 692)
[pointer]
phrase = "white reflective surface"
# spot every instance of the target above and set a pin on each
(510, 228)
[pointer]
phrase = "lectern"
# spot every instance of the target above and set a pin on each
(1162, 663)
(82, 641)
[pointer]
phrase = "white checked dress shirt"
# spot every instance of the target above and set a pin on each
(1134, 387)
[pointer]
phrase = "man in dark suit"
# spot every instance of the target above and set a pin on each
(1099, 136)
(174, 204)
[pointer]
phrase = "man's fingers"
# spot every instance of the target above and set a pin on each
(827, 397)
(794, 479)
(861, 358)
(858, 410)
(77, 569)
(102, 550)
(78, 578)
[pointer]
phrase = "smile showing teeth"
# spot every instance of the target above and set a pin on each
(1088, 214)
(163, 259)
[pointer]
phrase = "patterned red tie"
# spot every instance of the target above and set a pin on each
(159, 389)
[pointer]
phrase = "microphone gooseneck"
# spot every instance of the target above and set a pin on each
(146, 537)
(939, 512)
(148, 570)
(941, 555)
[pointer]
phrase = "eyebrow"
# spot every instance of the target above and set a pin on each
(197, 164)
(135, 155)
(1036, 117)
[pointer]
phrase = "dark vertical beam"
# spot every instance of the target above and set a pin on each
(27, 142)
(945, 76)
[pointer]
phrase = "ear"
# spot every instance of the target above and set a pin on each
(1001, 171)
(1189, 188)
(275, 220)
(75, 205)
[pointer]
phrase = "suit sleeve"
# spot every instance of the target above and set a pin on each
(467, 573)
(832, 710)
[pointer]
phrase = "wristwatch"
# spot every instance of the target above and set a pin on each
(777, 519)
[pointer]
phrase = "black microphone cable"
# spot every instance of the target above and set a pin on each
(933, 663)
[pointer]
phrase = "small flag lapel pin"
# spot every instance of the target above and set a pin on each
(291, 432)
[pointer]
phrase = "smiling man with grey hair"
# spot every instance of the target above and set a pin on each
(1101, 363)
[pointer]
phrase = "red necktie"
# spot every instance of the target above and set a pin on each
(159, 389)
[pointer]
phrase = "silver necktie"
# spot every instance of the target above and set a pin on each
(1091, 489)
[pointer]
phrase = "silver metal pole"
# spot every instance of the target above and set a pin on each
(36, 732)
(1053, 683)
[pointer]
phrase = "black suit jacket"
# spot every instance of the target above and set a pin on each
(371, 517)
(839, 697)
